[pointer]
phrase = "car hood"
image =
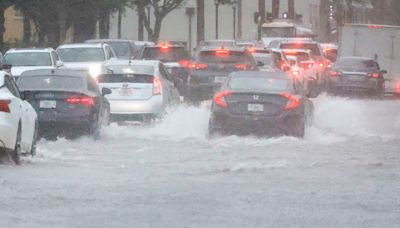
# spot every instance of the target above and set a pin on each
(18, 70)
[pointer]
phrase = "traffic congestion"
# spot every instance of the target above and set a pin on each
(281, 131)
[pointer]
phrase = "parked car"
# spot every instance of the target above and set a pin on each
(66, 101)
(18, 120)
(356, 75)
(141, 90)
(26, 59)
(261, 103)
(124, 49)
(211, 68)
(86, 56)
(175, 58)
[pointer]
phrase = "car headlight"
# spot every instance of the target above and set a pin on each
(95, 71)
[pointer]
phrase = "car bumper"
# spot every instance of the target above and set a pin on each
(153, 105)
(8, 134)
(353, 86)
(227, 122)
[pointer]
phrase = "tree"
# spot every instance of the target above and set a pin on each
(161, 8)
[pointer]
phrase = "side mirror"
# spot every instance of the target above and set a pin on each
(384, 71)
(105, 91)
(7, 66)
(260, 64)
(59, 63)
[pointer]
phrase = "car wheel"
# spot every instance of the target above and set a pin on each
(213, 130)
(16, 153)
(298, 129)
(34, 140)
(94, 129)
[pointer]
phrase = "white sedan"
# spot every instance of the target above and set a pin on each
(18, 120)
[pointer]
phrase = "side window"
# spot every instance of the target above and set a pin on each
(110, 53)
(55, 56)
(12, 86)
(92, 86)
(164, 73)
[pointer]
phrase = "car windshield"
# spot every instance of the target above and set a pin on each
(28, 59)
(278, 32)
(81, 54)
(121, 49)
(165, 54)
(225, 57)
(314, 48)
(258, 83)
(357, 64)
(51, 82)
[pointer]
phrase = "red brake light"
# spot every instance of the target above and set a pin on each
(83, 100)
(374, 75)
(307, 66)
(219, 98)
(184, 63)
(242, 66)
(157, 87)
(398, 87)
(198, 66)
(251, 49)
(376, 26)
(335, 73)
(293, 102)
(4, 106)
(222, 52)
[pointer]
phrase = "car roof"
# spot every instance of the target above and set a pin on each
(298, 50)
(56, 72)
(133, 63)
(209, 48)
(81, 45)
(355, 58)
(23, 50)
(108, 40)
(268, 73)
(295, 40)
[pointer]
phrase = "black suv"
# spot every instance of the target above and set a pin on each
(174, 57)
(211, 67)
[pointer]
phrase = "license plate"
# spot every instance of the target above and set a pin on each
(219, 79)
(255, 107)
(47, 104)
(356, 78)
(126, 92)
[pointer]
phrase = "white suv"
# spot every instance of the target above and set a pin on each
(26, 59)
(87, 56)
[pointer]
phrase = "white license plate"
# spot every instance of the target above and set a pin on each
(47, 104)
(255, 107)
(126, 92)
(356, 78)
(219, 79)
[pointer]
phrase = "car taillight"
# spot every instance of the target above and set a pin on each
(184, 63)
(222, 52)
(157, 87)
(219, 98)
(83, 100)
(242, 66)
(4, 106)
(374, 75)
(293, 102)
(307, 66)
(398, 87)
(198, 66)
(335, 73)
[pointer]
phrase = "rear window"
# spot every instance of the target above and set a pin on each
(268, 60)
(165, 54)
(313, 47)
(301, 56)
(125, 78)
(258, 84)
(50, 83)
(81, 54)
(29, 59)
(121, 49)
(226, 57)
(357, 64)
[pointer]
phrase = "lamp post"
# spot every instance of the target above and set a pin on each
(190, 13)
(234, 7)
(216, 17)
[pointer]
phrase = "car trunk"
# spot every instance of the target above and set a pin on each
(256, 104)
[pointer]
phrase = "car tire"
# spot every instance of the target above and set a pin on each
(16, 153)
(299, 128)
(34, 140)
(94, 129)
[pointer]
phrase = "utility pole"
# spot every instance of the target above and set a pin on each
(275, 9)
(190, 13)
(291, 10)
(200, 21)
(261, 15)
(234, 7)
(239, 19)
(216, 18)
